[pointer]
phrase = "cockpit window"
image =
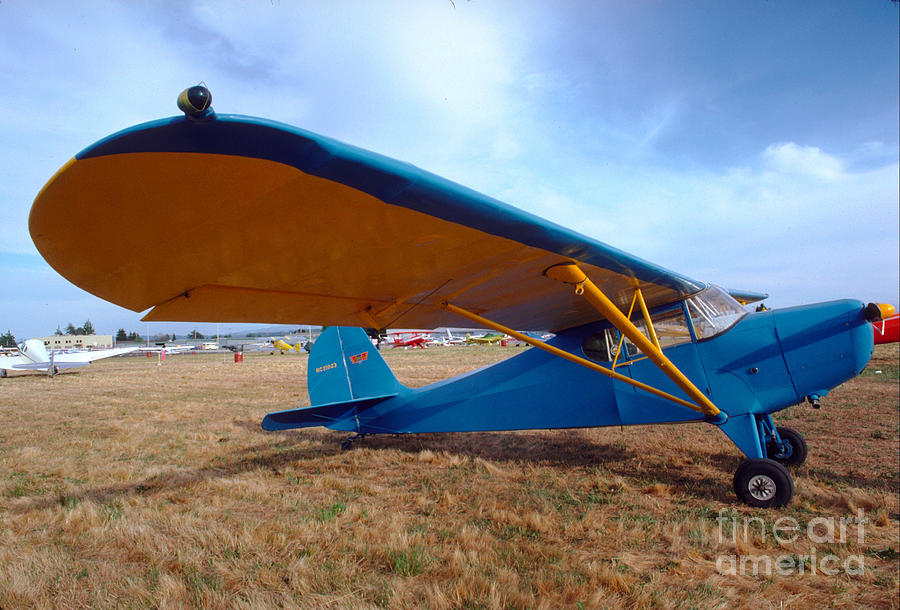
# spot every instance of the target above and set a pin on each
(600, 347)
(713, 311)
(671, 329)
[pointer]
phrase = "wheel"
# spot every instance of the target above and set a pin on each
(793, 451)
(346, 444)
(763, 483)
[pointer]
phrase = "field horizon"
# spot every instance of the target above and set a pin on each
(143, 484)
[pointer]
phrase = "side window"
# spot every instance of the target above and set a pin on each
(704, 325)
(671, 329)
(601, 346)
(631, 350)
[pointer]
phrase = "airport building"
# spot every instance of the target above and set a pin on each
(77, 341)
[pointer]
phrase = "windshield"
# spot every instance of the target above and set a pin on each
(713, 311)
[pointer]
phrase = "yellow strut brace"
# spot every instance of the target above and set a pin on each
(640, 298)
(568, 356)
(570, 273)
(622, 337)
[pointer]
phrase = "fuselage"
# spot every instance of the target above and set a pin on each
(764, 362)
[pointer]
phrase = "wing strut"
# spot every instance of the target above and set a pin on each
(637, 298)
(569, 356)
(570, 273)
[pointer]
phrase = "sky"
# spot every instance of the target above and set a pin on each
(752, 145)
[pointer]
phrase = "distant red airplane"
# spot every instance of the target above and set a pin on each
(888, 330)
(400, 339)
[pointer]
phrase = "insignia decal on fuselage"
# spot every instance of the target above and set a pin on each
(359, 358)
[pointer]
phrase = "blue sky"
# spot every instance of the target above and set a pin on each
(752, 145)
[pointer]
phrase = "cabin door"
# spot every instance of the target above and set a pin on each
(677, 344)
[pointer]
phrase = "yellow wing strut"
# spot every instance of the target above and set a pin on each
(640, 298)
(568, 356)
(570, 273)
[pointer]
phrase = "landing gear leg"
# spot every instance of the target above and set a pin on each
(762, 480)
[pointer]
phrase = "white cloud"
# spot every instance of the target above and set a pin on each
(801, 235)
(789, 157)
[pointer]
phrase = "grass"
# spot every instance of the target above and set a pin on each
(136, 485)
(889, 370)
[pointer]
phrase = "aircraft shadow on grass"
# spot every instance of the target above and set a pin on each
(268, 456)
(319, 445)
(541, 449)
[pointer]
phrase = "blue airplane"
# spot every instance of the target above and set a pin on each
(396, 246)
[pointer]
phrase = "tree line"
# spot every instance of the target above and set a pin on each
(85, 329)
(8, 339)
(121, 335)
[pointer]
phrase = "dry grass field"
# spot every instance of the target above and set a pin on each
(127, 484)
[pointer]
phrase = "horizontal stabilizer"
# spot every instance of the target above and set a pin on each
(337, 416)
(346, 375)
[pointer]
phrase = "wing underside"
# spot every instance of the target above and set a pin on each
(374, 242)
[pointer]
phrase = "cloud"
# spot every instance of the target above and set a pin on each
(797, 223)
(791, 158)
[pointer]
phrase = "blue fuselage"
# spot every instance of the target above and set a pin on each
(765, 362)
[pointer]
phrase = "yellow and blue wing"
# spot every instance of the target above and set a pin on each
(177, 216)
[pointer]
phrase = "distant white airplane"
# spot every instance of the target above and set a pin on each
(169, 349)
(33, 356)
(451, 339)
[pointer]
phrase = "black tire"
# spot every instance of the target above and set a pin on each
(796, 450)
(763, 483)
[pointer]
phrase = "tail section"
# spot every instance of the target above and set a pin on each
(344, 365)
(346, 374)
(34, 350)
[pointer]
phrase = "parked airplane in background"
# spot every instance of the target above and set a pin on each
(407, 339)
(169, 349)
(888, 330)
(284, 346)
(634, 343)
(450, 339)
(33, 356)
(485, 339)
